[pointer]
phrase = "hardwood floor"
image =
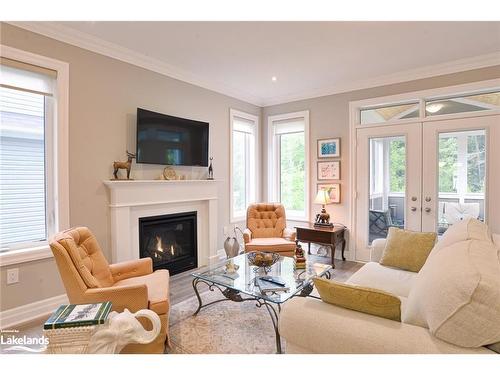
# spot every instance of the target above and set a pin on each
(181, 288)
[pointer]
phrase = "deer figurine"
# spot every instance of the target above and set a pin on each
(123, 165)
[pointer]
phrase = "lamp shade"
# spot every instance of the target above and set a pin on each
(323, 197)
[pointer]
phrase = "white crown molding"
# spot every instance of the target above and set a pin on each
(94, 44)
(449, 67)
(19, 315)
(100, 46)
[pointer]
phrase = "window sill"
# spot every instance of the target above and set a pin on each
(25, 255)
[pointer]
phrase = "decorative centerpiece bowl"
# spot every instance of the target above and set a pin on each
(263, 259)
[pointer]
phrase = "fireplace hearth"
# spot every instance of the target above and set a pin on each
(170, 241)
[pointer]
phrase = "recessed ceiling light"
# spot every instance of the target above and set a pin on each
(274, 79)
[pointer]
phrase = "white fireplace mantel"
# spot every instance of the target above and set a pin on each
(133, 199)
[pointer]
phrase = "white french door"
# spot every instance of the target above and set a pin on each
(425, 176)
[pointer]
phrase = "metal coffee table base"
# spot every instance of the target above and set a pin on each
(235, 296)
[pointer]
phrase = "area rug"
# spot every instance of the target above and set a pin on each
(223, 328)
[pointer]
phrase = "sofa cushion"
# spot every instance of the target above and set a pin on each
(366, 300)
(388, 279)
(406, 249)
(158, 289)
(276, 244)
(468, 229)
(457, 294)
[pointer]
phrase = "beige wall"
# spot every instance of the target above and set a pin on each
(329, 117)
(104, 96)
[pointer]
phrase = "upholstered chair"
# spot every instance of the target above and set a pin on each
(88, 278)
(266, 229)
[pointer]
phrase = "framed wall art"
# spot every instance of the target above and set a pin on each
(329, 148)
(329, 170)
(334, 191)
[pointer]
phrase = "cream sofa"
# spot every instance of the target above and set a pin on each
(311, 326)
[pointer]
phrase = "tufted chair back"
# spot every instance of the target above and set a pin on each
(80, 260)
(266, 220)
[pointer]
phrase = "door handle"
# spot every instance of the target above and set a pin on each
(427, 209)
(413, 209)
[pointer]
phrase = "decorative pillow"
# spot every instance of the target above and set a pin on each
(457, 295)
(468, 229)
(407, 250)
(366, 300)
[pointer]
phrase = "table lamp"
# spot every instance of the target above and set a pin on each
(323, 218)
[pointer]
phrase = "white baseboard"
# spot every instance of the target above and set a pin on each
(22, 314)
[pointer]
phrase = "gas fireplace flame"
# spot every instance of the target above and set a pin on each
(158, 244)
(172, 250)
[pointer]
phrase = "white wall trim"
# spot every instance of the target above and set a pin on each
(98, 45)
(32, 311)
(25, 255)
(115, 51)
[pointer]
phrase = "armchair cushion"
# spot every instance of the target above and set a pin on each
(87, 256)
(366, 300)
(266, 220)
(132, 268)
(157, 285)
(275, 244)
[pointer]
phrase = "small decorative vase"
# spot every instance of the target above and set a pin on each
(231, 248)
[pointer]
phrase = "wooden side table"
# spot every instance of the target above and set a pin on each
(323, 236)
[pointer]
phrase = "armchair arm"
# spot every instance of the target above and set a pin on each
(290, 234)
(377, 249)
(131, 268)
(132, 297)
(247, 235)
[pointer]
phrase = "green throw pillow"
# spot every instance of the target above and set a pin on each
(366, 300)
(407, 250)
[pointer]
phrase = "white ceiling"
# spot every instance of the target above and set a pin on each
(308, 58)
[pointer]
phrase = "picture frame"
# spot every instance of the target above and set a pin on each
(328, 148)
(335, 192)
(328, 170)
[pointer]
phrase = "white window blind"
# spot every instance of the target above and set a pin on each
(24, 107)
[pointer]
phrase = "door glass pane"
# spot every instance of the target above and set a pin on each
(462, 171)
(387, 185)
(389, 113)
(292, 173)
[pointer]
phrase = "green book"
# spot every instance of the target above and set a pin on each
(67, 316)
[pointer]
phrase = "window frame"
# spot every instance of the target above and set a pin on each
(57, 161)
(251, 175)
(274, 183)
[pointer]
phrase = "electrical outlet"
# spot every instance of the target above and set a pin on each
(12, 276)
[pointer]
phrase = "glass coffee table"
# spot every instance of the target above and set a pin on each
(240, 286)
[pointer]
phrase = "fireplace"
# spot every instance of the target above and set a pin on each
(170, 241)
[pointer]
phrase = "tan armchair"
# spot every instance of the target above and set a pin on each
(266, 229)
(88, 278)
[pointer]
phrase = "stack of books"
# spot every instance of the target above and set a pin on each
(70, 327)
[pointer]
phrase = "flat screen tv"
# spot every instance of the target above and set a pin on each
(169, 140)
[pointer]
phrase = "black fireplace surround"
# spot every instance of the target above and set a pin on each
(170, 241)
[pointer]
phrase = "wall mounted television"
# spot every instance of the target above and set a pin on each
(169, 140)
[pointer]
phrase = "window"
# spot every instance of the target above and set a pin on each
(244, 180)
(289, 163)
(33, 193)
(388, 113)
